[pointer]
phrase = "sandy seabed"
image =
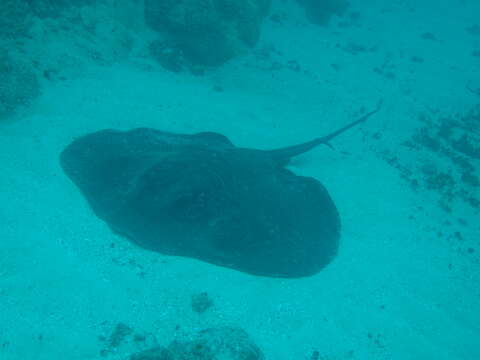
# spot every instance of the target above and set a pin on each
(405, 284)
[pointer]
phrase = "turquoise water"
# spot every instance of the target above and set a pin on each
(404, 282)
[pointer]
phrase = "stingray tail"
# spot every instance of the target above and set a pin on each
(283, 155)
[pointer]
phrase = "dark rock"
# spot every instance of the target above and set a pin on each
(119, 335)
(156, 353)
(209, 32)
(15, 19)
(139, 338)
(417, 59)
(474, 29)
(225, 343)
(429, 36)
(18, 85)
(170, 57)
(450, 143)
(320, 12)
(315, 355)
(201, 302)
(53, 8)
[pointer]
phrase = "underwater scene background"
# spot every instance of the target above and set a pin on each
(405, 282)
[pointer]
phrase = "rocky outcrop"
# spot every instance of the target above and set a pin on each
(225, 343)
(53, 8)
(208, 32)
(15, 19)
(18, 85)
(320, 12)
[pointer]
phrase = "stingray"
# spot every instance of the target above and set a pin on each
(200, 196)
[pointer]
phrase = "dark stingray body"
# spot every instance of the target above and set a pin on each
(200, 196)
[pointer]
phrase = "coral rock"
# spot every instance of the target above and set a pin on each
(209, 32)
